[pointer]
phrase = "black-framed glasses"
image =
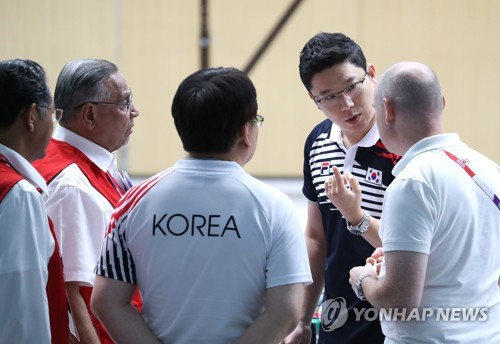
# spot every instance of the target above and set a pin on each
(351, 91)
(55, 114)
(122, 106)
(258, 120)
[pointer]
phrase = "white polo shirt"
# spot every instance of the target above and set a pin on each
(203, 241)
(434, 207)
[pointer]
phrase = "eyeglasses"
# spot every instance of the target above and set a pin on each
(122, 106)
(56, 114)
(351, 91)
(258, 120)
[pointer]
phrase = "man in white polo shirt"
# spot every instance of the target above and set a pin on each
(218, 256)
(440, 227)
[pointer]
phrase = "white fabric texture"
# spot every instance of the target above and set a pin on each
(434, 207)
(80, 213)
(206, 241)
(26, 246)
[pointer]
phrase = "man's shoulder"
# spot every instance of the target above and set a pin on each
(264, 191)
(322, 127)
(70, 175)
(21, 195)
(380, 152)
(59, 155)
(64, 161)
(149, 188)
(377, 157)
(319, 136)
(10, 177)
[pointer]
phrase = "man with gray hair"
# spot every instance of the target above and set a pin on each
(440, 228)
(83, 180)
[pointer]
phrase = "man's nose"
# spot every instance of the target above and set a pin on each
(345, 102)
(134, 111)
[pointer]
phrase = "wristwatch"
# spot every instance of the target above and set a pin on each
(357, 286)
(361, 227)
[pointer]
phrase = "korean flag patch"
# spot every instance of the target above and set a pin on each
(374, 176)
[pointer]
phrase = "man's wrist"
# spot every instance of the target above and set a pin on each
(357, 218)
(360, 227)
(358, 289)
(304, 323)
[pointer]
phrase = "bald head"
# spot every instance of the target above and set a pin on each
(409, 105)
(414, 91)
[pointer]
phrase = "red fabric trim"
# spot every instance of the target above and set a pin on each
(56, 294)
(10, 177)
(61, 154)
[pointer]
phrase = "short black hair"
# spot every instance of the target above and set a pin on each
(325, 50)
(210, 108)
(22, 83)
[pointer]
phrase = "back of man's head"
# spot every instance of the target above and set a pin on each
(80, 82)
(414, 91)
(22, 83)
(210, 108)
(326, 50)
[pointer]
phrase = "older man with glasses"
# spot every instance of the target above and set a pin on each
(83, 180)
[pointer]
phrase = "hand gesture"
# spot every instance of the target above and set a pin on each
(346, 199)
(376, 258)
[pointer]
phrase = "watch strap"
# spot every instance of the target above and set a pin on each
(362, 226)
(358, 287)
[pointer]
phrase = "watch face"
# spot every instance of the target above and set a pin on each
(362, 227)
(356, 231)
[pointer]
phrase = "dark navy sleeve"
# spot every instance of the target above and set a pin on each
(308, 189)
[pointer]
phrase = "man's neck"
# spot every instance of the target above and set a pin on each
(14, 141)
(229, 156)
(352, 138)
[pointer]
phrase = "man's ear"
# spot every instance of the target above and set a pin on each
(389, 112)
(245, 134)
(30, 116)
(87, 115)
(371, 72)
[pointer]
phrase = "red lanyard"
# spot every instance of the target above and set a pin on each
(475, 177)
